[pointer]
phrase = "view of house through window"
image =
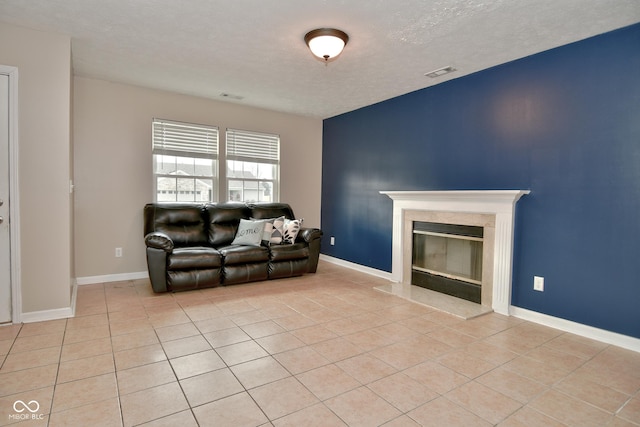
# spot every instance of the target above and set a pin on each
(253, 161)
(250, 181)
(185, 160)
(184, 179)
(185, 164)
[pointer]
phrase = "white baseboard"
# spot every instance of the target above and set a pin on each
(91, 280)
(357, 267)
(41, 316)
(580, 329)
(55, 314)
(586, 331)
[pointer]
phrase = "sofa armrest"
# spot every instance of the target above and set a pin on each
(157, 266)
(309, 234)
(158, 240)
(313, 238)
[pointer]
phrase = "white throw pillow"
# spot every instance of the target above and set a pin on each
(290, 230)
(249, 233)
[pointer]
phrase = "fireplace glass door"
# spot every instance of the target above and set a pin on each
(448, 258)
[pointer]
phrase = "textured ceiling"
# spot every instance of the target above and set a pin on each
(255, 49)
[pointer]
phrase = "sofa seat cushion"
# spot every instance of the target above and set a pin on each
(183, 280)
(289, 268)
(245, 272)
(236, 254)
(288, 252)
(197, 257)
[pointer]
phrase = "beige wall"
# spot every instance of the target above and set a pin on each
(44, 144)
(112, 157)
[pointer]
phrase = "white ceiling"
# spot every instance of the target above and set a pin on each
(255, 48)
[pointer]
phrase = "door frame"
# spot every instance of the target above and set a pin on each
(14, 205)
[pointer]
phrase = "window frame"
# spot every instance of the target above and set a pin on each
(192, 141)
(188, 140)
(260, 148)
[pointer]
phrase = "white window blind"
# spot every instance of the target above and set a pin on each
(245, 145)
(253, 166)
(185, 161)
(178, 138)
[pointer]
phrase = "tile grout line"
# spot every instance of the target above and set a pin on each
(113, 356)
(55, 382)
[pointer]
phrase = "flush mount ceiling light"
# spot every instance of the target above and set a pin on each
(326, 43)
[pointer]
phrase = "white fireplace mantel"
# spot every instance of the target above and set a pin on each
(500, 203)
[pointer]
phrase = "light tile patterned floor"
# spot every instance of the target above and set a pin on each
(319, 350)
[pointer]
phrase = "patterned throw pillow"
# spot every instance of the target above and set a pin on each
(272, 230)
(290, 230)
(278, 230)
(249, 233)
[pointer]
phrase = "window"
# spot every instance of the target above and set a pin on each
(253, 166)
(185, 162)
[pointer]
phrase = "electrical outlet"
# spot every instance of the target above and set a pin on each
(538, 283)
(118, 252)
(333, 241)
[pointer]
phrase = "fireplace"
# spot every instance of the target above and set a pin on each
(447, 258)
(491, 210)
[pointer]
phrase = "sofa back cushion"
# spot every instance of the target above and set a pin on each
(270, 210)
(223, 221)
(183, 223)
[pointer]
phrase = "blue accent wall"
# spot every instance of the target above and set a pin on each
(564, 123)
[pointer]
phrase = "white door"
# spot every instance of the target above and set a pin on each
(5, 243)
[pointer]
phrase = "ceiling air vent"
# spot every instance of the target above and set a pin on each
(231, 96)
(440, 72)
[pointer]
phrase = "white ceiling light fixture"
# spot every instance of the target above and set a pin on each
(326, 43)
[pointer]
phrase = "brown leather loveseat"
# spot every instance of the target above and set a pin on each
(192, 246)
